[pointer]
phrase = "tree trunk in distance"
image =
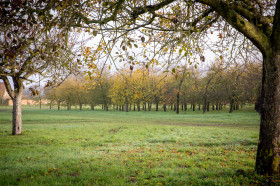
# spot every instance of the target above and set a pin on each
(126, 104)
(231, 105)
(68, 106)
(178, 103)
(164, 107)
(157, 106)
(17, 110)
(204, 104)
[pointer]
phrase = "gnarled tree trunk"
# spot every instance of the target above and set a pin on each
(268, 154)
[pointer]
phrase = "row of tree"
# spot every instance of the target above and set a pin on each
(138, 89)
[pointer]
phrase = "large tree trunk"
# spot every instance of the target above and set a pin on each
(268, 154)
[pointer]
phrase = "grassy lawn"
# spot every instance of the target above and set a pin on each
(136, 148)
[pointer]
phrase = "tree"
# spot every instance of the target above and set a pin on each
(251, 82)
(258, 21)
(32, 43)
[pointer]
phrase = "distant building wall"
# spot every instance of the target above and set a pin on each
(4, 96)
(25, 102)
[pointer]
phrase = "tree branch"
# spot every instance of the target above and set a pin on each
(102, 21)
(275, 37)
(256, 36)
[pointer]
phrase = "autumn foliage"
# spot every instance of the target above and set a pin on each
(140, 88)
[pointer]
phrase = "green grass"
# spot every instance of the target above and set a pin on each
(136, 148)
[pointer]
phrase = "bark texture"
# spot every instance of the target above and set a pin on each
(268, 154)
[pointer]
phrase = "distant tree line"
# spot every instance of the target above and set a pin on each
(139, 89)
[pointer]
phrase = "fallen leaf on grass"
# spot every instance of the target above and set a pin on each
(74, 174)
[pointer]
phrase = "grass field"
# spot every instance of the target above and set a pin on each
(135, 148)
